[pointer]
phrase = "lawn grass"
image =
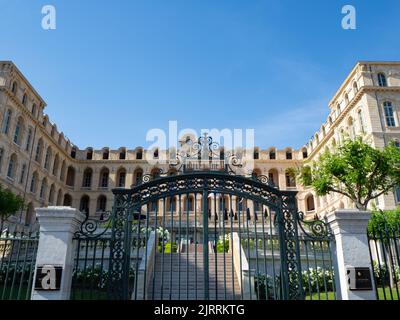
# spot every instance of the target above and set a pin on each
(381, 295)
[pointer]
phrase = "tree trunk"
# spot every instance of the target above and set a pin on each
(360, 206)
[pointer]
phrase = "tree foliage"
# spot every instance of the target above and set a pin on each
(385, 223)
(355, 170)
(9, 203)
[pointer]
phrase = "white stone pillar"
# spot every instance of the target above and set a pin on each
(352, 250)
(57, 228)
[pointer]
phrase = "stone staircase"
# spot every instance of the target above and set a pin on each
(176, 273)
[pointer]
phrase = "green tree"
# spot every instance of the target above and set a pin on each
(355, 170)
(9, 204)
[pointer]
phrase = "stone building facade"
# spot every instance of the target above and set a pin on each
(43, 166)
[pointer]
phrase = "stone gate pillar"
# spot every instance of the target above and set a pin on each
(351, 251)
(55, 249)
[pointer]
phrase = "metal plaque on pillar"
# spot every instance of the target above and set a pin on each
(48, 277)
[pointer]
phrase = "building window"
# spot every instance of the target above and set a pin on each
(256, 155)
(87, 178)
(7, 121)
(38, 153)
(17, 133)
(290, 179)
(355, 87)
(389, 114)
(139, 155)
(121, 179)
(122, 155)
(22, 177)
(28, 140)
(43, 188)
(89, 154)
(398, 194)
(397, 143)
(382, 80)
(155, 155)
(14, 88)
(272, 155)
(47, 159)
(361, 121)
(34, 110)
(73, 153)
(84, 205)
(101, 204)
(289, 155)
(106, 155)
(305, 153)
(104, 179)
(310, 204)
(11, 166)
(33, 183)
(1, 157)
(24, 98)
(138, 177)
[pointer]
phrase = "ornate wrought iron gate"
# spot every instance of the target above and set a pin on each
(207, 234)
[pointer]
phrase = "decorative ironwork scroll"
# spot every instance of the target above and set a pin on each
(314, 229)
(94, 228)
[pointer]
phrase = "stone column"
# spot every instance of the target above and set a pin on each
(57, 228)
(352, 250)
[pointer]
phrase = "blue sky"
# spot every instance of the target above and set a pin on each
(112, 70)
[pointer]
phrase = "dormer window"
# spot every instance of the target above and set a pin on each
(73, 153)
(305, 153)
(256, 154)
(106, 155)
(122, 154)
(382, 82)
(156, 154)
(272, 155)
(139, 155)
(34, 110)
(89, 154)
(289, 155)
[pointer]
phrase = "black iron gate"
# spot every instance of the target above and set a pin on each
(206, 234)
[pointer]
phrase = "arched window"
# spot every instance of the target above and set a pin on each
(47, 158)
(56, 164)
(70, 176)
(34, 180)
(190, 203)
(84, 205)
(14, 88)
(104, 174)
(87, 178)
(121, 178)
(346, 99)
(62, 171)
(290, 179)
(138, 174)
(24, 99)
(155, 155)
(289, 154)
(122, 154)
(382, 80)
(59, 197)
(34, 110)
(89, 154)
(139, 154)
(30, 214)
(389, 114)
(73, 153)
(256, 155)
(355, 87)
(67, 200)
(39, 150)
(101, 203)
(273, 177)
(43, 189)
(19, 131)
(155, 173)
(22, 176)
(51, 194)
(7, 121)
(272, 155)
(305, 153)
(12, 166)
(28, 139)
(330, 120)
(106, 154)
(310, 204)
(361, 121)
(351, 130)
